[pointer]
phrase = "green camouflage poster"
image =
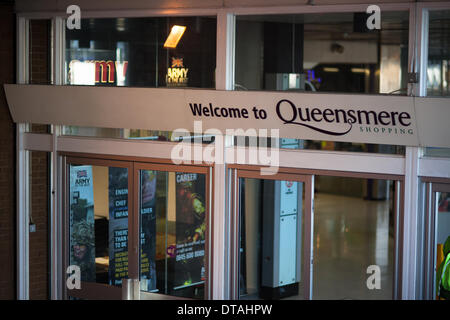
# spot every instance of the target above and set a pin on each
(81, 221)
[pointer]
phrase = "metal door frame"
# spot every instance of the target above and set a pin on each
(208, 216)
(94, 291)
(307, 232)
(307, 176)
(432, 186)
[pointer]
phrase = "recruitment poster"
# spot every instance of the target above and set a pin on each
(118, 225)
(148, 230)
(81, 221)
(190, 230)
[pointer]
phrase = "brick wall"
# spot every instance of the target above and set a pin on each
(39, 215)
(39, 59)
(39, 244)
(7, 157)
(39, 51)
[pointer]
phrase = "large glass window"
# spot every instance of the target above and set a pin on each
(331, 52)
(142, 52)
(137, 134)
(438, 71)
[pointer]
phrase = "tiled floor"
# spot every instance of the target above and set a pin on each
(351, 234)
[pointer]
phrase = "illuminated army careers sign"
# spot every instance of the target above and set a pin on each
(177, 73)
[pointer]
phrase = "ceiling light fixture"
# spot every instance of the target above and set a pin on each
(329, 69)
(174, 37)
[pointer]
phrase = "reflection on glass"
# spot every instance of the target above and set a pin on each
(437, 152)
(287, 143)
(438, 70)
(137, 134)
(131, 52)
(443, 242)
(152, 135)
(173, 225)
(98, 222)
(270, 239)
(332, 52)
(353, 229)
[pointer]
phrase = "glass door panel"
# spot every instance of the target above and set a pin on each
(98, 222)
(442, 247)
(270, 259)
(272, 236)
(436, 234)
(139, 221)
(173, 222)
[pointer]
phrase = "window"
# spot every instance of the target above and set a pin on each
(438, 71)
(131, 52)
(330, 52)
(98, 223)
(438, 68)
(137, 220)
(172, 208)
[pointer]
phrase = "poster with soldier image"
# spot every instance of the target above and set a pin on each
(118, 225)
(148, 230)
(190, 230)
(81, 221)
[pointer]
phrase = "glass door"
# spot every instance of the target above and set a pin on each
(305, 234)
(272, 225)
(173, 206)
(148, 222)
(438, 239)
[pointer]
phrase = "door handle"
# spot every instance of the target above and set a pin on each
(131, 289)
